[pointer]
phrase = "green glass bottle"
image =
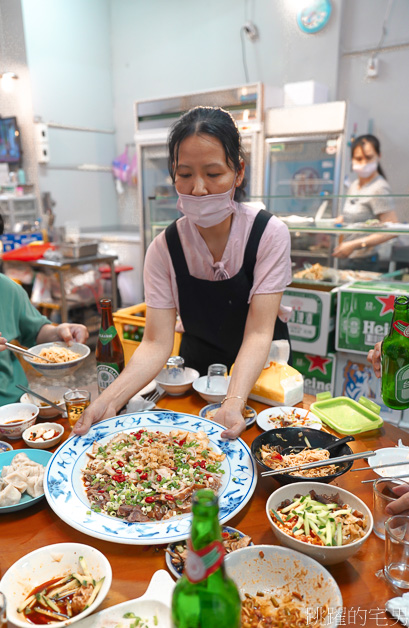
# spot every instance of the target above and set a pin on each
(205, 596)
(395, 358)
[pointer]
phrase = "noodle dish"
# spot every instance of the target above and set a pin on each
(65, 359)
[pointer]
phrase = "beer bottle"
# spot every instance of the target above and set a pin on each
(109, 353)
(205, 596)
(395, 358)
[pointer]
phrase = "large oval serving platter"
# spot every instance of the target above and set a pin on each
(64, 489)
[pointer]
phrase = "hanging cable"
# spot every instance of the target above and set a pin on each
(243, 53)
(384, 31)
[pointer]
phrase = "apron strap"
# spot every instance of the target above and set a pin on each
(175, 249)
(250, 253)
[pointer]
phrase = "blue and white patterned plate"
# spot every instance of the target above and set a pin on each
(65, 492)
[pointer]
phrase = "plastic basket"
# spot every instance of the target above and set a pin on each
(130, 319)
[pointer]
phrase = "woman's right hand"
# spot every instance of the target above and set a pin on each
(374, 357)
(99, 410)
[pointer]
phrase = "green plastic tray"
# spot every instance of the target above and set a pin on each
(346, 415)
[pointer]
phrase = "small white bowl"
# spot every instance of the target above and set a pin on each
(47, 563)
(269, 568)
(323, 554)
(388, 455)
(45, 444)
(25, 413)
(53, 393)
(59, 369)
(200, 386)
(175, 390)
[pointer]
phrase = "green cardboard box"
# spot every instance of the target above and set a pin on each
(318, 372)
(312, 322)
(364, 314)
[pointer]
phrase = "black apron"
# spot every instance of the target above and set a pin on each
(214, 313)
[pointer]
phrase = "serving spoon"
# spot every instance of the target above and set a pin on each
(284, 451)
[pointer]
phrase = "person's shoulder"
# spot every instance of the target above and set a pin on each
(380, 184)
(10, 286)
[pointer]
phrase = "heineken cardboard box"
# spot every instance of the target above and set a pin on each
(312, 322)
(318, 372)
(364, 314)
(355, 378)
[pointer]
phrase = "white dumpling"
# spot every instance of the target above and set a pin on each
(17, 479)
(6, 470)
(35, 486)
(21, 459)
(9, 496)
(31, 470)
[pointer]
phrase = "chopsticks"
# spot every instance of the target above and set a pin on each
(36, 394)
(393, 477)
(383, 466)
(28, 354)
(320, 463)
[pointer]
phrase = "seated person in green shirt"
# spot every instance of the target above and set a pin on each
(19, 320)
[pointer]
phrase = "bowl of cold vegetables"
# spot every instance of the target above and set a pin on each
(269, 448)
(327, 523)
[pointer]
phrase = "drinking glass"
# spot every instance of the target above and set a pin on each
(397, 551)
(217, 378)
(382, 496)
(175, 370)
(76, 401)
(3, 609)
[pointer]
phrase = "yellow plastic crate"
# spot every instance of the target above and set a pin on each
(135, 316)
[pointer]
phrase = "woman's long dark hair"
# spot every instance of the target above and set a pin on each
(212, 121)
(376, 145)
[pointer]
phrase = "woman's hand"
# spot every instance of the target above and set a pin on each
(345, 249)
(231, 417)
(99, 410)
(401, 505)
(374, 357)
(2, 343)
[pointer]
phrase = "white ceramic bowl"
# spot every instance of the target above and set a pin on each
(200, 386)
(47, 563)
(324, 555)
(277, 568)
(26, 415)
(53, 393)
(45, 444)
(177, 389)
(388, 455)
(157, 600)
(60, 369)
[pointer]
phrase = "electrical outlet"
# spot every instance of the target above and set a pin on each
(251, 31)
(372, 68)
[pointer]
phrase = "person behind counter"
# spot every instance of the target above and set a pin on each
(367, 201)
(223, 266)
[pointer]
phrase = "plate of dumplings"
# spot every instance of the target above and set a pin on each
(21, 478)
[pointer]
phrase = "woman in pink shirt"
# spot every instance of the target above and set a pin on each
(223, 266)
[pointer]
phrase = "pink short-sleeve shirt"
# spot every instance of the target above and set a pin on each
(272, 272)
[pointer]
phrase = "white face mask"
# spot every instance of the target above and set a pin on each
(209, 210)
(365, 170)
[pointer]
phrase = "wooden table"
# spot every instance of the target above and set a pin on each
(363, 593)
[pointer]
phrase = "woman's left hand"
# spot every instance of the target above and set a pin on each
(71, 332)
(231, 417)
(344, 250)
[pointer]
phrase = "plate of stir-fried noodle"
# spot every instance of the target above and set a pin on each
(131, 478)
(282, 588)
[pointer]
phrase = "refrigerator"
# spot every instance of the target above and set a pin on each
(156, 195)
(307, 165)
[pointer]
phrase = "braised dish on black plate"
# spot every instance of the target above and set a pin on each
(266, 450)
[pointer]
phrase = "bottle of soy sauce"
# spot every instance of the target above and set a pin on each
(109, 352)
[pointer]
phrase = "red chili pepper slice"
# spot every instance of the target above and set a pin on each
(173, 468)
(149, 500)
(182, 442)
(119, 477)
(158, 478)
(225, 535)
(120, 463)
(144, 476)
(196, 464)
(170, 498)
(138, 470)
(138, 436)
(203, 464)
(150, 440)
(101, 490)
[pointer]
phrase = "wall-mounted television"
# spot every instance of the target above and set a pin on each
(10, 146)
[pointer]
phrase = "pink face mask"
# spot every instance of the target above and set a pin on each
(209, 210)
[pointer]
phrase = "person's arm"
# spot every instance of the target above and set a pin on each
(367, 241)
(148, 359)
(250, 361)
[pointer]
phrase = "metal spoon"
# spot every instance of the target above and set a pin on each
(35, 394)
(297, 448)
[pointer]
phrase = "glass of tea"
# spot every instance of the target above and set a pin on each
(76, 401)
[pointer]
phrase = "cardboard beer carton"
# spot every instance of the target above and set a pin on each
(318, 372)
(364, 314)
(312, 322)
